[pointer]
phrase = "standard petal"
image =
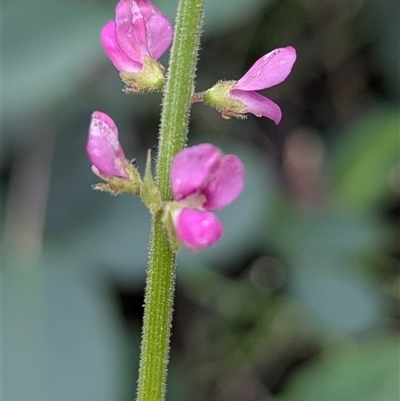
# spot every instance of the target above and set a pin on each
(159, 35)
(226, 184)
(269, 70)
(120, 60)
(158, 27)
(131, 30)
(103, 147)
(197, 230)
(191, 169)
(258, 105)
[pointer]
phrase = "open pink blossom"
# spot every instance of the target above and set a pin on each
(138, 37)
(236, 98)
(104, 149)
(203, 179)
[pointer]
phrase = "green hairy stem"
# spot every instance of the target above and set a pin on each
(160, 283)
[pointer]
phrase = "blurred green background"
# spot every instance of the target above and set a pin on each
(300, 299)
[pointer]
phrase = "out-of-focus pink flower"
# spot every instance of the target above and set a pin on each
(104, 149)
(203, 179)
(236, 98)
(138, 37)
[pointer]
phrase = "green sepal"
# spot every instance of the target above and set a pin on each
(219, 98)
(116, 185)
(149, 192)
(149, 79)
(169, 225)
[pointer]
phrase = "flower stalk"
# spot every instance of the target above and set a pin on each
(160, 282)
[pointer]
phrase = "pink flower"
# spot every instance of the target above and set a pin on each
(203, 180)
(235, 98)
(103, 148)
(197, 229)
(138, 37)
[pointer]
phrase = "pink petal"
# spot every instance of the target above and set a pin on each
(197, 230)
(269, 70)
(258, 105)
(131, 30)
(103, 148)
(226, 183)
(191, 169)
(158, 27)
(120, 60)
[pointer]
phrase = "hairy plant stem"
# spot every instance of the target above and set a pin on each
(160, 283)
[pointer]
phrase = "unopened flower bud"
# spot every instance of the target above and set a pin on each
(108, 158)
(134, 42)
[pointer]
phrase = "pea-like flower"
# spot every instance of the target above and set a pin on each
(236, 98)
(134, 42)
(108, 158)
(203, 180)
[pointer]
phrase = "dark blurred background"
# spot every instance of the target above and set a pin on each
(299, 301)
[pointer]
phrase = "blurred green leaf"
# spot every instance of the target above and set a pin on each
(362, 372)
(114, 242)
(85, 338)
(325, 255)
(48, 47)
(341, 300)
(364, 158)
(117, 240)
(23, 317)
(62, 336)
